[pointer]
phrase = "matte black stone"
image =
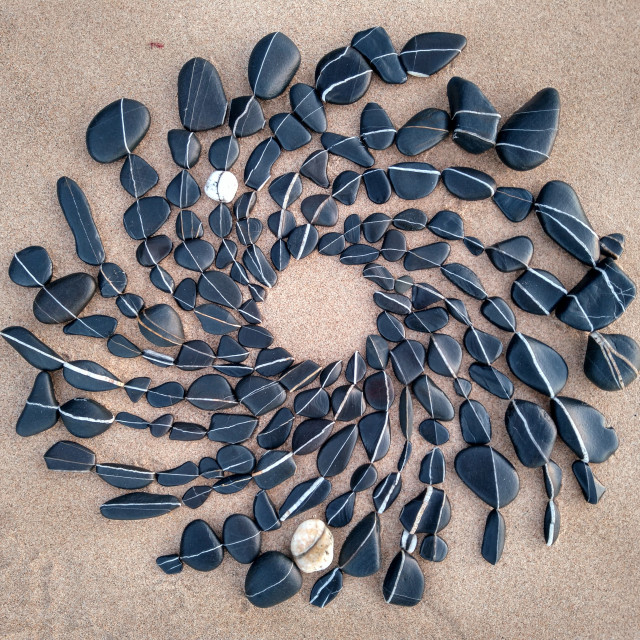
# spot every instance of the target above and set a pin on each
(161, 426)
(271, 362)
(532, 432)
(116, 130)
(202, 103)
(330, 374)
(224, 152)
(403, 284)
(145, 216)
(183, 191)
(125, 476)
(499, 313)
(374, 433)
(379, 275)
(359, 254)
(404, 582)
(482, 346)
(458, 311)
(475, 422)
(288, 131)
(218, 287)
(89, 376)
(493, 538)
(376, 46)
(137, 176)
(462, 387)
(386, 492)
(376, 129)
(320, 210)
(352, 228)
(64, 299)
(592, 490)
(537, 291)
(195, 254)
(526, 138)
(345, 187)
(200, 548)
(335, 453)
(69, 456)
(423, 131)
(245, 116)
(254, 337)
(165, 395)
(537, 364)
(427, 53)
(235, 458)
(378, 391)
(265, 513)
(31, 267)
(444, 355)
(377, 185)
(273, 62)
(360, 555)
(315, 167)
(232, 484)
(161, 325)
(434, 432)
(274, 468)
(277, 430)
(512, 254)
(153, 250)
(216, 320)
(424, 295)
(41, 409)
(474, 118)
(405, 414)
(428, 256)
(347, 403)
(258, 266)
(392, 302)
(272, 579)
(430, 512)
(170, 564)
(209, 468)
(427, 320)
(138, 505)
(185, 147)
(305, 496)
(377, 351)
(515, 203)
(326, 588)
(349, 147)
(180, 475)
(194, 355)
(390, 328)
(563, 219)
(407, 360)
(257, 171)
(468, 184)
(433, 548)
(260, 395)
(394, 247)
(488, 474)
(612, 360)
(188, 225)
(612, 246)
(433, 399)
(196, 496)
(552, 475)
(285, 190)
(432, 467)
(342, 76)
(447, 224)
(161, 279)
(410, 220)
(185, 294)
(601, 297)
(551, 523)
(97, 326)
(231, 428)
(465, 279)
(77, 212)
(312, 403)
(211, 392)
(242, 538)
(375, 226)
(413, 180)
(307, 107)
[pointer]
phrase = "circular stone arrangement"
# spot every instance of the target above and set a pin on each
(252, 379)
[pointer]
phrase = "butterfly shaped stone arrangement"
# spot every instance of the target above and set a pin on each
(243, 381)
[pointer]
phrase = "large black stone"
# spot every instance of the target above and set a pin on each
(376, 46)
(404, 583)
(64, 299)
(360, 555)
(273, 62)
(200, 548)
(202, 103)
(423, 131)
(612, 360)
(427, 53)
(272, 578)
(532, 432)
(342, 76)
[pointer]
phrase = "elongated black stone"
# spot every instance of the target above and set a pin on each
(377, 185)
(202, 103)
(307, 107)
(90, 376)
(532, 432)
(465, 279)
(274, 468)
(498, 312)
(258, 266)
(432, 398)
(430, 512)
(342, 76)
(349, 147)
(444, 355)
(407, 360)
(386, 492)
(423, 131)
(85, 418)
(427, 320)
(231, 428)
(592, 490)
(326, 588)
(211, 392)
(98, 326)
(493, 538)
(257, 171)
(427, 53)
(165, 395)
(475, 423)
(410, 220)
(170, 564)
(196, 496)
(288, 131)
(260, 395)
(482, 346)
(377, 351)
(537, 291)
(305, 496)
(375, 436)
(428, 256)
(376, 46)
(468, 184)
(138, 505)
(69, 456)
(125, 476)
(41, 409)
(265, 513)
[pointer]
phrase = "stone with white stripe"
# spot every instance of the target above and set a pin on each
(200, 547)
(348, 147)
(31, 267)
(376, 46)
(335, 453)
(428, 256)
(85, 418)
(183, 191)
(465, 279)
(342, 76)
(423, 131)
(242, 538)
(429, 512)
(537, 291)
(185, 147)
(303, 240)
(272, 578)
(475, 423)
(339, 512)
(512, 254)
(493, 537)
(433, 548)
(307, 107)
(404, 582)
(145, 216)
(224, 152)
(612, 246)
(257, 170)
(138, 505)
(326, 588)
(320, 209)
(41, 409)
(413, 180)
(69, 456)
(433, 399)
(360, 554)
(377, 185)
(305, 496)
(265, 513)
(514, 202)
(182, 474)
(137, 176)
(407, 360)
(288, 131)
(427, 53)
(62, 300)
(170, 564)
(532, 432)
(444, 355)
(376, 129)
(346, 186)
(592, 489)
(447, 224)
(468, 184)
(273, 62)
(612, 360)
(432, 467)
(202, 103)
(125, 476)
(312, 403)
(551, 522)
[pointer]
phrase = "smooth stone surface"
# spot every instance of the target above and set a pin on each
(161, 325)
(265, 513)
(363, 478)
(348, 147)
(376, 46)
(273, 62)
(360, 555)
(31, 267)
(335, 453)
(427, 320)
(116, 130)
(468, 184)
(145, 216)
(465, 279)
(161, 426)
(375, 435)
(185, 294)
(195, 254)
(219, 288)
(592, 490)
(410, 220)
(200, 548)
(514, 202)
(433, 399)
(312, 546)
(493, 537)
(532, 432)
(211, 392)
(359, 254)
(377, 185)
(320, 209)
(202, 103)
(427, 53)
(183, 191)
(69, 456)
(552, 474)
(526, 139)
(404, 582)
(285, 189)
(125, 476)
(428, 256)
(339, 512)
(424, 295)
(257, 170)
(232, 484)
(429, 512)
(188, 225)
(387, 491)
(551, 523)
(162, 280)
(537, 364)
(41, 409)
(90, 376)
(216, 320)
(165, 395)
(475, 422)
(235, 458)
(185, 147)
(612, 246)
(196, 496)
(407, 360)
(374, 226)
(182, 474)
(170, 564)
(394, 248)
(481, 346)
(379, 275)
(447, 224)
(611, 361)
(271, 362)
(423, 131)
(153, 250)
(392, 302)
(272, 578)
(488, 474)
(307, 107)
(432, 467)
(444, 355)
(242, 538)
(376, 129)
(137, 176)
(434, 432)
(138, 505)
(288, 131)
(260, 395)
(346, 186)
(224, 152)
(209, 468)
(342, 76)
(258, 265)
(245, 116)
(64, 299)
(97, 326)
(512, 254)
(326, 588)
(281, 223)
(315, 168)
(347, 403)
(537, 291)
(433, 548)
(137, 387)
(274, 468)
(499, 313)
(474, 119)
(312, 403)
(231, 428)
(305, 496)
(413, 180)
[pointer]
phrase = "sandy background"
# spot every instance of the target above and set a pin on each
(65, 572)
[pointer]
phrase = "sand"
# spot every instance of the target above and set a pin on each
(68, 573)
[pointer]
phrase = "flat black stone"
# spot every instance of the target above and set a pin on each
(288, 131)
(170, 564)
(183, 191)
(307, 107)
(403, 284)
(254, 337)
(356, 368)
(273, 62)
(432, 467)
(185, 147)
(285, 190)
(512, 254)
(374, 226)
(202, 103)
(413, 180)
(377, 185)
(145, 216)
(260, 395)
(526, 139)
(407, 360)
(241, 538)
(232, 484)
(153, 250)
(200, 548)
(359, 254)
(427, 320)
(216, 320)
(219, 288)
(346, 186)
(434, 432)
(77, 212)
(125, 476)
(211, 392)
(611, 361)
(97, 326)
(465, 279)
(349, 147)
(475, 422)
(245, 116)
(305, 496)
(376, 129)
(428, 256)
(31, 267)
(312, 403)
(612, 246)
(377, 351)
(360, 555)
(277, 430)
(601, 297)
(551, 523)
(224, 152)
(272, 579)
(116, 130)
(271, 362)
(41, 409)
(433, 399)
(257, 171)
(177, 476)
(378, 391)
(342, 76)
(499, 313)
(537, 291)
(274, 468)
(462, 387)
(552, 474)
(424, 295)
(352, 228)
(515, 203)
(330, 374)
(482, 346)
(335, 453)
(69, 456)
(138, 505)
(458, 311)
(493, 538)
(347, 403)
(89, 376)
(248, 230)
(63, 299)
(537, 364)
(433, 548)
(427, 53)
(161, 325)
(405, 454)
(131, 421)
(444, 355)
(376, 46)
(235, 458)
(488, 474)
(379, 275)
(592, 490)
(265, 513)
(185, 294)
(162, 360)
(243, 206)
(404, 582)
(447, 224)
(194, 497)
(161, 425)
(423, 131)
(195, 254)
(532, 432)
(194, 355)
(281, 223)
(319, 210)
(375, 436)
(410, 220)
(162, 280)
(392, 302)
(165, 395)
(468, 184)
(188, 225)
(394, 246)
(326, 588)
(137, 176)
(386, 492)
(315, 168)
(231, 428)
(258, 266)
(220, 221)
(390, 328)
(405, 414)
(209, 468)
(429, 512)
(474, 118)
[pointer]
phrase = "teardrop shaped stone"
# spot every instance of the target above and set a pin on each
(532, 432)
(307, 107)
(427, 53)
(423, 131)
(342, 76)
(273, 62)
(272, 578)
(202, 103)
(360, 555)
(404, 583)
(200, 548)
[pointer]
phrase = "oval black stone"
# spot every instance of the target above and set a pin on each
(342, 76)
(413, 180)
(242, 538)
(273, 62)
(138, 505)
(63, 299)
(423, 131)
(161, 325)
(468, 184)
(145, 216)
(202, 103)
(335, 453)
(272, 579)
(427, 53)
(200, 548)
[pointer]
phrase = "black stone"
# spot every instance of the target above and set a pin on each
(376, 46)
(360, 555)
(349, 147)
(377, 185)
(89, 376)
(537, 291)
(231, 428)
(194, 355)
(423, 131)
(359, 254)
(265, 513)
(232, 484)
(243, 206)
(288, 131)
(161, 279)
(305, 496)
(444, 355)
(499, 313)
(248, 230)
(153, 250)
(434, 432)
(462, 387)
(131, 421)
(245, 116)
(195, 254)
(375, 436)
(432, 467)
(385, 494)
(185, 294)
(532, 432)
(257, 171)
(188, 225)
(468, 184)
(274, 468)
(31, 267)
(378, 391)
(258, 265)
(98, 326)
(218, 287)
(345, 187)
(407, 360)
(254, 337)
(404, 582)
(356, 368)
(410, 220)
(433, 548)
(342, 76)
(185, 147)
(209, 468)
(307, 106)
(145, 216)
(392, 302)
(63, 299)
(138, 505)
(277, 430)
(196, 496)
(183, 191)
(427, 53)
(273, 62)
(390, 328)
(272, 578)
(424, 295)
(241, 538)
(405, 414)
(612, 246)
(326, 588)
(552, 475)
(515, 203)
(551, 523)
(180, 475)
(165, 395)
(428, 256)
(224, 152)
(320, 210)
(493, 538)
(413, 180)
(379, 275)
(202, 103)
(375, 226)
(352, 228)
(271, 362)
(433, 399)
(161, 325)
(447, 224)
(475, 422)
(394, 247)
(482, 346)
(285, 190)
(220, 221)
(335, 453)
(377, 352)
(458, 311)
(41, 409)
(405, 454)
(611, 361)
(161, 426)
(427, 320)
(137, 176)
(211, 392)
(125, 476)
(465, 279)
(200, 548)
(260, 395)
(137, 387)
(69, 456)
(281, 223)
(170, 564)
(347, 403)
(330, 374)
(315, 168)
(312, 403)
(512, 254)
(376, 129)
(215, 319)
(592, 490)
(430, 512)
(235, 458)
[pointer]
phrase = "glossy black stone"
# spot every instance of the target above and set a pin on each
(552, 475)
(356, 368)
(468, 184)
(312, 403)
(274, 468)
(31, 267)
(188, 225)
(499, 313)
(404, 582)
(433, 399)
(235, 458)
(183, 191)
(145, 216)
(427, 320)
(320, 210)
(494, 536)
(285, 190)
(265, 513)
(347, 403)
(432, 467)
(232, 484)
(177, 476)
(427, 53)
(429, 512)
(63, 299)
(165, 395)
(359, 254)
(434, 432)
(258, 265)
(305, 496)
(271, 362)
(462, 387)
(592, 490)
(241, 538)
(277, 430)
(257, 170)
(307, 106)
(209, 468)
(138, 505)
(245, 116)
(137, 176)
(374, 226)
(272, 578)
(444, 355)
(288, 131)
(315, 167)
(200, 548)
(224, 152)
(196, 496)
(465, 279)
(551, 523)
(89, 376)
(379, 275)
(185, 294)
(360, 554)
(116, 130)
(339, 512)
(447, 224)
(216, 320)
(349, 147)
(326, 588)
(377, 185)
(481, 346)
(612, 246)
(161, 425)
(378, 391)
(342, 76)
(410, 220)
(162, 280)
(526, 139)
(514, 202)
(392, 302)
(330, 374)
(41, 409)
(386, 492)
(153, 250)
(475, 422)
(428, 256)
(537, 291)
(376, 129)
(377, 351)
(125, 476)
(211, 392)
(394, 246)
(231, 428)
(273, 62)
(260, 395)
(69, 456)
(161, 325)
(423, 131)
(413, 180)
(512, 254)
(97, 326)
(407, 360)
(424, 295)
(202, 103)
(185, 147)
(532, 432)
(170, 564)
(375, 436)
(611, 361)
(433, 548)
(376, 46)
(345, 187)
